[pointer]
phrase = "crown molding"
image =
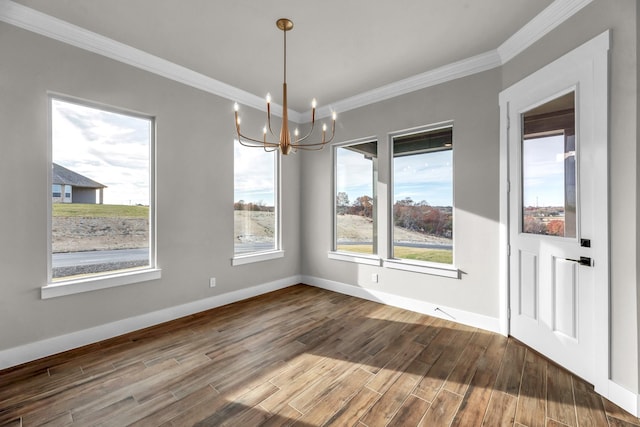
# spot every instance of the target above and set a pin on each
(453, 71)
(551, 17)
(32, 20)
(57, 29)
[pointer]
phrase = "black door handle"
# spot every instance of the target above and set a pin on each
(586, 261)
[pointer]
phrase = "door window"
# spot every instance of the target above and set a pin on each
(549, 168)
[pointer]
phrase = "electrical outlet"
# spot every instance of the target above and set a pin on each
(374, 277)
(212, 282)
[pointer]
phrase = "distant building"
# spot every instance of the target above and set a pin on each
(71, 187)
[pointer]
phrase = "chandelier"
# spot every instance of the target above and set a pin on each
(285, 143)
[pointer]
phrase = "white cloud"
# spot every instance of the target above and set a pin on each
(254, 174)
(107, 147)
(353, 174)
(543, 171)
(425, 177)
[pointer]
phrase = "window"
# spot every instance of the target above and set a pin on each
(255, 207)
(102, 187)
(423, 195)
(356, 168)
(549, 168)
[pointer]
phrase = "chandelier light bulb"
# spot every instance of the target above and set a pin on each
(236, 107)
(314, 103)
(268, 98)
(334, 116)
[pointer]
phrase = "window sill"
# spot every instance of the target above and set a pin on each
(94, 283)
(424, 268)
(256, 257)
(357, 258)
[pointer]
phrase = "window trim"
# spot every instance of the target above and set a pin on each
(97, 282)
(354, 257)
(109, 279)
(334, 253)
(251, 257)
(439, 269)
(424, 267)
(277, 251)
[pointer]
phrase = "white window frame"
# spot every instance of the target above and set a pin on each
(277, 251)
(368, 259)
(114, 278)
(416, 266)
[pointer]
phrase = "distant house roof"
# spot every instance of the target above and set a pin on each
(64, 176)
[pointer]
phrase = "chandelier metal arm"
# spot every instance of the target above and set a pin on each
(310, 146)
(251, 142)
(269, 117)
(299, 140)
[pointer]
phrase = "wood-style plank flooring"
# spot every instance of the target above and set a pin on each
(306, 357)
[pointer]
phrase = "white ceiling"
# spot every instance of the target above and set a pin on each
(337, 49)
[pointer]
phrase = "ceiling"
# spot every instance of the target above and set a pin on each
(337, 49)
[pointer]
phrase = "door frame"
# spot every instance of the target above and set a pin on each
(591, 62)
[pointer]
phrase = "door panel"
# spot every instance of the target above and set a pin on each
(554, 160)
(528, 292)
(565, 302)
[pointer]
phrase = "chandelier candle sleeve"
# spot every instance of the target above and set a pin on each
(284, 143)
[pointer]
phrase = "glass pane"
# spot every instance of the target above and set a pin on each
(255, 200)
(423, 196)
(355, 194)
(549, 169)
(101, 190)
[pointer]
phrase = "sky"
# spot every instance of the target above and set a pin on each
(110, 148)
(113, 149)
(424, 177)
(253, 173)
(543, 171)
(353, 175)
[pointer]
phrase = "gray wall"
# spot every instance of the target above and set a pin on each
(619, 16)
(84, 195)
(472, 104)
(195, 134)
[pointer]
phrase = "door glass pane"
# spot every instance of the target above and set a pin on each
(549, 168)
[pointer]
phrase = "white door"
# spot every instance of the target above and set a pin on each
(556, 154)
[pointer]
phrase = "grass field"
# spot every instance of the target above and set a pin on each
(424, 254)
(403, 252)
(260, 226)
(99, 211)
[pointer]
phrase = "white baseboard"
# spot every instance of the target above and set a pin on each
(47, 347)
(627, 400)
(460, 316)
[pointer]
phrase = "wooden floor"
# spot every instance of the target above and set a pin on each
(306, 357)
